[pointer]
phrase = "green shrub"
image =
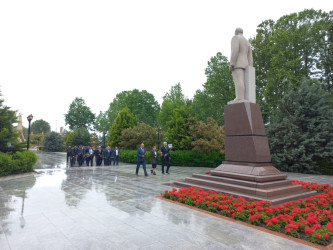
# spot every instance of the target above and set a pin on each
(179, 158)
(19, 162)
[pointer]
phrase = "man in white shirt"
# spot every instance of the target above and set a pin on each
(116, 156)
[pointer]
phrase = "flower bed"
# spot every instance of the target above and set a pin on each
(310, 219)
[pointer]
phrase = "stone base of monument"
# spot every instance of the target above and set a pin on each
(248, 170)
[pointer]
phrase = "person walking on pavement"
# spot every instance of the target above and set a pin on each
(141, 159)
(165, 153)
(116, 154)
(153, 156)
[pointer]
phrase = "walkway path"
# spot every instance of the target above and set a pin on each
(111, 208)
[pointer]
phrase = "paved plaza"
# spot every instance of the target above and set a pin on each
(111, 208)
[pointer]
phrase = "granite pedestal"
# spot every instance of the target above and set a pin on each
(248, 170)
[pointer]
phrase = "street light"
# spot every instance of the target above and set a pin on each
(158, 136)
(30, 117)
(104, 139)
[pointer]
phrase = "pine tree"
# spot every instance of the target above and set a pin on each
(125, 119)
(8, 136)
(53, 142)
(301, 131)
(180, 127)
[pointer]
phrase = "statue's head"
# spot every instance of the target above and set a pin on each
(238, 31)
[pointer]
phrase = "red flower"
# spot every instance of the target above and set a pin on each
(326, 235)
(317, 236)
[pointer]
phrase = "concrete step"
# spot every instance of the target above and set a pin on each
(253, 184)
(248, 177)
(263, 193)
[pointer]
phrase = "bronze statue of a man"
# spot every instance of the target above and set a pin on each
(241, 56)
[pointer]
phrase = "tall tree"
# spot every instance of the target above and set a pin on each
(140, 103)
(301, 132)
(79, 115)
(102, 122)
(180, 127)
(217, 91)
(171, 100)
(40, 126)
(79, 136)
(8, 135)
(125, 119)
(296, 46)
(53, 142)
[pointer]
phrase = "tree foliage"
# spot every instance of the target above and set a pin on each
(207, 137)
(40, 126)
(141, 103)
(133, 137)
(102, 122)
(8, 135)
(53, 142)
(171, 100)
(179, 130)
(79, 115)
(217, 91)
(79, 136)
(301, 132)
(296, 46)
(125, 119)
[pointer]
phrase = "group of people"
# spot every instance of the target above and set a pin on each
(86, 154)
(141, 159)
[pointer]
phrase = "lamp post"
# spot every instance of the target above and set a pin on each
(158, 136)
(104, 139)
(30, 117)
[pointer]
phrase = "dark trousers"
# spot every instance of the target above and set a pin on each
(91, 160)
(166, 160)
(73, 160)
(88, 160)
(98, 160)
(107, 161)
(68, 157)
(143, 162)
(115, 159)
(80, 160)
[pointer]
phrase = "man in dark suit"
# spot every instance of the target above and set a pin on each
(107, 156)
(73, 156)
(141, 159)
(68, 150)
(99, 156)
(80, 152)
(89, 159)
(165, 153)
(116, 154)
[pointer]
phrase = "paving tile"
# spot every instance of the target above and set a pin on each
(111, 208)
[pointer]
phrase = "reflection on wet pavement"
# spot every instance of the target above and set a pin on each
(111, 208)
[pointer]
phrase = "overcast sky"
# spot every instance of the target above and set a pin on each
(54, 51)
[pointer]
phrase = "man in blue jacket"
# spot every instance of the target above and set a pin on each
(107, 156)
(141, 159)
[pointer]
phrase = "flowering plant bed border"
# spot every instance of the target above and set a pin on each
(307, 221)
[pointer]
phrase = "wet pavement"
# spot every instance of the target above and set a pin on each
(111, 208)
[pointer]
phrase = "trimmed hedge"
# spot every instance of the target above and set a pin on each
(17, 163)
(185, 158)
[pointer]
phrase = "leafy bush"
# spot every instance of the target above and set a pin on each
(19, 162)
(180, 158)
(207, 137)
(131, 138)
